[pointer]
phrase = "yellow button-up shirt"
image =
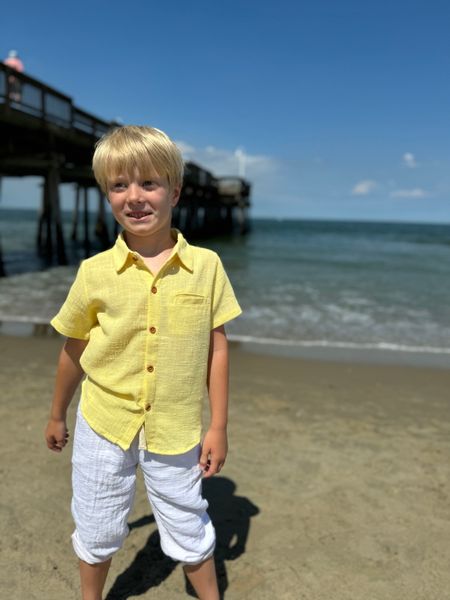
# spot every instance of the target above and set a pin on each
(147, 357)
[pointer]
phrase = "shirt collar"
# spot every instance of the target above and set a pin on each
(123, 256)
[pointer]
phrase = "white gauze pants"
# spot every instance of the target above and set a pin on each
(104, 484)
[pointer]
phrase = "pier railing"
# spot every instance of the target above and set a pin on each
(22, 93)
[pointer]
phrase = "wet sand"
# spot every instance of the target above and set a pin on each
(337, 486)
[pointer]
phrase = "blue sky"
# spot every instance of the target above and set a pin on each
(333, 109)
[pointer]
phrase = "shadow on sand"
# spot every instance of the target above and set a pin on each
(231, 516)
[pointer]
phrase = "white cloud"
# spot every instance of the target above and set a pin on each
(409, 160)
(412, 193)
(363, 188)
(229, 162)
(185, 149)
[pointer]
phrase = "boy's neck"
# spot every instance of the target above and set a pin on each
(150, 246)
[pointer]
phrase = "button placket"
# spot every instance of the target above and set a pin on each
(151, 345)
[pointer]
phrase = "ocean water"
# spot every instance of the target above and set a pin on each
(346, 286)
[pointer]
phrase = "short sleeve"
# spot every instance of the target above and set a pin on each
(225, 307)
(77, 316)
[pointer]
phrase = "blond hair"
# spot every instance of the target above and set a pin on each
(131, 148)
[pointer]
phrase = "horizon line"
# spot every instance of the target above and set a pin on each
(362, 220)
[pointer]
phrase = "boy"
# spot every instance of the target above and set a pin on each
(145, 324)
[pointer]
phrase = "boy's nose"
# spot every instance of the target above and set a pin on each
(134, 192)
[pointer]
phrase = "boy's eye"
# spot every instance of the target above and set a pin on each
(117, 185)
(148, 183)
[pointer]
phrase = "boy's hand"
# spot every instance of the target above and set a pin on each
(56, 435)
(214, 451)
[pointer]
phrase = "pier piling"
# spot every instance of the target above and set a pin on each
(76, 213)
(86, 240)
(54, 181)
(50, 231)
(101, 228)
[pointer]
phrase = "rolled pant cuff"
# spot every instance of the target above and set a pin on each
(197, 562)
(85, 555)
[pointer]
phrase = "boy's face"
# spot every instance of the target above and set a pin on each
(142, 205)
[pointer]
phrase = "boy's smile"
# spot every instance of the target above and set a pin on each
(143, 206)
(138, 214)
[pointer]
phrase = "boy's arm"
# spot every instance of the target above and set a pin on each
(215, 444)
(68, 376)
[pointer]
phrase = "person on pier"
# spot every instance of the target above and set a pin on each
(145, 325)
(15, 87)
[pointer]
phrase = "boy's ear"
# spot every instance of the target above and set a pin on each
(175, 195)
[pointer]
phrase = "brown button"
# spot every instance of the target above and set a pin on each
(152, 329)
(148, 407)
(154, 289)
(150, 368)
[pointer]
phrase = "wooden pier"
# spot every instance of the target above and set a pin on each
(42, 133)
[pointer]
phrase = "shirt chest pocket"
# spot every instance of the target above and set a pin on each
(190, 315)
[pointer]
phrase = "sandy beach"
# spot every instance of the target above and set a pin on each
(337, 486)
